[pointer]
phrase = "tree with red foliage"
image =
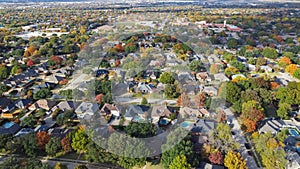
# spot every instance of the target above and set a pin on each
(216, 158)
(117, 63)
(66, 144)
(30, 63)
(200, 100)
(119, 48)
(42, 139)
(63, 82)
(99, 98)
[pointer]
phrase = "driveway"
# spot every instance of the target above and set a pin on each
(239, 137)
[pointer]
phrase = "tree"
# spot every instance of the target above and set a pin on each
(30, 63)
(16, 70)
(42, 94)
(180, 162)
(240, 66)
(221, 116)
(30, 145)
(30, 51)
(80, 166)
(195, 65)
(261, 61)
(284, 62)
(296, 74)
(232, 43)
(282, 135)
(166, 78)
(3, 72)
(270, 151)
(28, 121)
(229, 57)
(214, 68)
(171, 91)
(79, 141)
(252, 112)
(291, 68)
(141, 130)
(216, 158)
(99, 98)
(283, 110)
(234, 160)
(270, 53)
(231, 71)
(42, 138)
(66, 144)
(200, 100)
(183, 100)
(58, 165)
(3, 88)
(144, 101)
(129, 150)
(53, 146)
(233, 92)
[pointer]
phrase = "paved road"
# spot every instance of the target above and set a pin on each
(239, 137)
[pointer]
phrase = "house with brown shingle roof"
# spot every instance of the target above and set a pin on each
(42, 104)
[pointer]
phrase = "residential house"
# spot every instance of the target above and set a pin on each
(22, 103)
(53, 79)
(210, 90)
(204, 165)
(238, 75)
(221, 77)
(266, 68)
(191, 88)
(160, 111)
(42, 104)
(65, 105)
(135, 112)
(293, 160)
(185, 77)
(203, 77)
(272, 126)
(203, 127)
(189, 113)
(4, 102)
(109, 110)
(86, 108)
(145, 88)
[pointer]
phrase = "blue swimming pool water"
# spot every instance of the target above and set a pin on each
(138, 119)
(164, 122)
(185, 124)
(294, 132)
(8, 124)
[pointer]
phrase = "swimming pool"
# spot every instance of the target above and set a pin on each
(163, 121)
(294, 132)
(186, 124)
(8, 125)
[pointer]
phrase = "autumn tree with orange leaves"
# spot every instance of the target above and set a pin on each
(42, 139)
(291, 68)
(252, 112)
(284, 62)
(183, 100)
(200, 100)
(66, 144)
